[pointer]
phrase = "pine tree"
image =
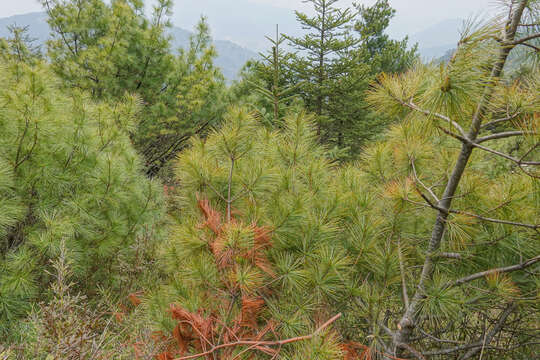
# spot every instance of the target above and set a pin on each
(109, 50)
(382, 53)
(20, 46)
(275, 87)
(453, 269)
(321, 61)
(336, 60)
(113, 49)
(192, 100)
(69, 174)
(256, 252)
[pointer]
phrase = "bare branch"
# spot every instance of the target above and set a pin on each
(402, 271)
(507, 269)
(497, 121)
(261, 343)
(437, 339)
(481, 343)
(525, 39)
(463, 139)
(483, 218)
(503, 135)
(498, 221)
(506, 156)
(529, 151)
(489, 336)
(414, 107)
(216, 192)
(417, 354)
(468, 141)
(421, 183)
(537, 49)
(448, 255)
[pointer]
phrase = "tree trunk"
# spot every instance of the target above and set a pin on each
(320, 80)
(412, 313)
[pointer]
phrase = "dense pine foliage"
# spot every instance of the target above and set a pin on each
(261, 226)
(69, 174)
(342, 200)
(109, 50)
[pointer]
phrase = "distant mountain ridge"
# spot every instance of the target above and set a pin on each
(231, 57)
(435, 41)
(245, 22)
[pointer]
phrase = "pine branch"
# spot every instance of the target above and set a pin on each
(501, 270)
(257, 344)
(229, 186)
(525, 39)
(504, 135)
(483, 218)
(29, 153)
(537, 49)
(465, 140)
(171, 151)
(58, 28)
(414, 107)
(497, 121)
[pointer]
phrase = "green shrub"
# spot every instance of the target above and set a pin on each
(68, 173)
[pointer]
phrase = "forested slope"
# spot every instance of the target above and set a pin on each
(342, 200)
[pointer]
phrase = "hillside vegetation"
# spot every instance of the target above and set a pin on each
(341, 200)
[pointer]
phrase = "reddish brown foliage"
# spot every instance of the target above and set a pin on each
(134, 298)
(251, 308)
(203, 331)
(119, 316)
(165, 356)
(225, 255)
(213, 217)
(258, 254)
(198, 331)
(137, 349)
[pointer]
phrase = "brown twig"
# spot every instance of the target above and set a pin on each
(255, 343)
(525, 39)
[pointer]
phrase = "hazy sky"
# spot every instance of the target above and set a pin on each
(412, 15)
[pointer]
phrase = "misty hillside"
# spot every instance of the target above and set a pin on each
(231, 57)
(438, 39)
(260, 19)
(349, 195)
(433, 42)
(230, 19)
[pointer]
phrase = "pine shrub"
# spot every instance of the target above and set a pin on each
(68, 173)
(256, 252)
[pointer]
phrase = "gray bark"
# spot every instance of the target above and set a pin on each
(412, 313)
